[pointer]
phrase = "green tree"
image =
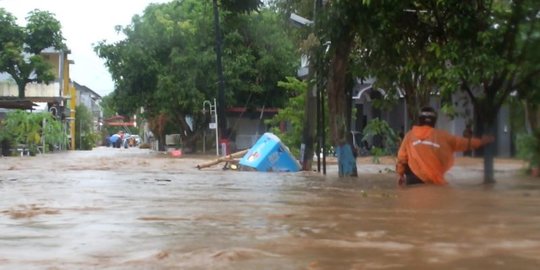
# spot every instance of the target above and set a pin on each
(256, 58)
(528, 127)
(328, 66)
(292, 114)
(108, 106)
(485, 48)
(85, 137)
(490, 51)
(380, 128)
(241, 6)
(394, 48)
(337, 25)
(20, 47)
(163, 64)
(32, 130)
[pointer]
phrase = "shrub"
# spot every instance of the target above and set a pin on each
(528, 148)
(32, 130)
(380, 128)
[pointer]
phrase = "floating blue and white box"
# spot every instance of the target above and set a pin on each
(269, 154)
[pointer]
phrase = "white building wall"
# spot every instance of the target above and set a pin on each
(10, 89)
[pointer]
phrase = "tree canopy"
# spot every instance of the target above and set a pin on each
(426, 48)
(241, 6)
(20, 47)
(166, 62)
(419, 49)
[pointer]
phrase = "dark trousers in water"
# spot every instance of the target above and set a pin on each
(411, 178)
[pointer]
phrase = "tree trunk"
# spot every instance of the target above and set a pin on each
(489, 154)
(415, 99)
(157, 126)
(337, 106)
(484, 123)
(21, 87)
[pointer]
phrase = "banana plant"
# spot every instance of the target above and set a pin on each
(25, 128)
(381, 128)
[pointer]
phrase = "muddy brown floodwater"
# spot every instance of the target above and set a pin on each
(136, 209)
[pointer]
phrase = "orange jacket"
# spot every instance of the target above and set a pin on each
(429, 152)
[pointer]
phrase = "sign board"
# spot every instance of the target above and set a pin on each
(213, 125)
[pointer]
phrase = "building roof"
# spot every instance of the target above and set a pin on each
(84, 88)
(46, 99)
(118, 120)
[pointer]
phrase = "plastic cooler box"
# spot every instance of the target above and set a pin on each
(270, 154)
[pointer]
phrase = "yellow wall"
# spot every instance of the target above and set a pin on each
(54, 60)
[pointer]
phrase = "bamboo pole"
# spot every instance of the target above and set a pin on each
(226, 158)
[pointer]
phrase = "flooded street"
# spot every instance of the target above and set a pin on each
(136, 209)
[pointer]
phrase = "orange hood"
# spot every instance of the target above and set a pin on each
(422, 132)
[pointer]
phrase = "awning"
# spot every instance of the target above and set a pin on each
(120, 124)
(22, 104)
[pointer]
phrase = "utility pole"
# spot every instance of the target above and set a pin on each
(314, 106)
(213, 125)
(221, 80)
(321, 147)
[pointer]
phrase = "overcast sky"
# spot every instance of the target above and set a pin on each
(85, 23)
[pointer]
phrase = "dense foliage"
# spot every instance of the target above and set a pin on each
(32, 130)
(167, 61)
(423, 48)
(417, 49)
(386, 140)
(85, 138)
(292, 115)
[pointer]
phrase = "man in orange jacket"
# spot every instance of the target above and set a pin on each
(427, 153)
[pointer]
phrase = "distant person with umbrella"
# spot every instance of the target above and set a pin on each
(116, 139)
